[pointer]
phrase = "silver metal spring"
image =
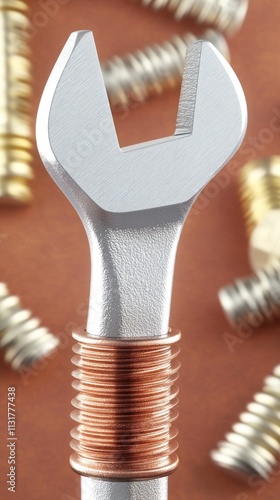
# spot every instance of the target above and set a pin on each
(253, 300)
(135, 77)
(22, 338)
(15, 104)
(253, 445)
(227, 15)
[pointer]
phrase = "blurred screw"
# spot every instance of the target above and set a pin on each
(253, 300)
(15, 102)
(260, 197)
(152, 70)
(253, 445)
(22, 338)
(258, 297)
(227, 15)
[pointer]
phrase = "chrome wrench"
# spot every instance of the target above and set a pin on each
(133, 202)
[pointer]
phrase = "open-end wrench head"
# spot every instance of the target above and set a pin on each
(75, 131)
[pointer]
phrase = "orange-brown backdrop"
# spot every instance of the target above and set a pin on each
(44, 259)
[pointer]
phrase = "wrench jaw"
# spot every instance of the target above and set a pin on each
(76, 130)
(212, 108)
(56, 101)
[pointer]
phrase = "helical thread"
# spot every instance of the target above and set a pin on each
(22, 338)
(125, 407)
(227, 15)
(259, 189)
(136, 76)
(15, 103)
(253, 445)
(253, 300)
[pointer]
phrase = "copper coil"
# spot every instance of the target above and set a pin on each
(125, 407)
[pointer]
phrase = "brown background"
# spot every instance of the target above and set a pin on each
(45, 260)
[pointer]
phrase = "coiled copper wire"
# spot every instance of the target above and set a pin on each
(125, 406)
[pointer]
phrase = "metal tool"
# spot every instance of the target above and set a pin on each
(22, 338)
(252, 447)
(133, 78)
(256, 299)
(15, 104)
(133, 203)
(227, 15)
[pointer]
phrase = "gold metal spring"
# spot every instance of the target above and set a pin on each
(22, 338)
(135, 77)
(15, 104)
(125, 407)
(253, 445)
(227, 15)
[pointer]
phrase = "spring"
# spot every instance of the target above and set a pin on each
(22, 338)
(15, 104)
(227, 15)
(148, 72)
(253, 445)
(259, 189)
(125, 407)
(253, 300)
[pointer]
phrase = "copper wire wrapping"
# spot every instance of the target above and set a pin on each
(125, 406)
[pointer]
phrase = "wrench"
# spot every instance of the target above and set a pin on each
(133, 201)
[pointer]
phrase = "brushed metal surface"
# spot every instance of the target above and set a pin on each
(133, 201)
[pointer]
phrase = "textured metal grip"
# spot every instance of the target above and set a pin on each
(125, 407)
